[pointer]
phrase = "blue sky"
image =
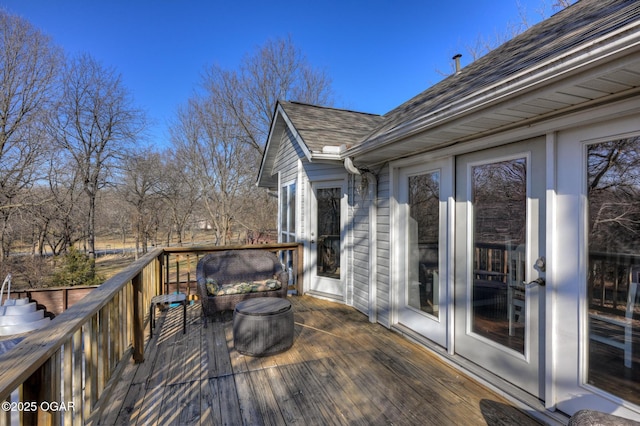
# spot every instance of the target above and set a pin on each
(378, 53)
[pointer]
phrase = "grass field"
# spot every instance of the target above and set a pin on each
(109, 265)
(112, 256)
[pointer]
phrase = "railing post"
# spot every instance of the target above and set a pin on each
(138, 319)
(299, 268)
(177, 274)
(188, 290)
(166, 278)
(77, 387)
(157, 283)
(38, 390)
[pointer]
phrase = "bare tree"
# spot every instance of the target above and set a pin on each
(142, 177)
(180, 190)
(28, 66)
(59, 220)
(208, 141)
(276, 71)
(221, 132)
(114, 216)
(614, 191)
(95, 122)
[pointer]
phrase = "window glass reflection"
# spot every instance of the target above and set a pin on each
(284, 198)
(292, 209)
(423, 232)
(288, 213)
(499, 242)
(613, 188)
(328, 214)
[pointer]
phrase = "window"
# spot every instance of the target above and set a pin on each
(328, 223)
(288, 213)
(613, 191)
(423, 239)
(499, 242)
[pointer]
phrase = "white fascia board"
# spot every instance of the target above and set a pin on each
(267, 147)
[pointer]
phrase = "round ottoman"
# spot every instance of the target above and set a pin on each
(263, 326)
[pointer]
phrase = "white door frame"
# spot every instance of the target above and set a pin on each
(524, 369)
(570, 356)
(437, 329)
(318, 286)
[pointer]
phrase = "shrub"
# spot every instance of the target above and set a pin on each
(76, 268)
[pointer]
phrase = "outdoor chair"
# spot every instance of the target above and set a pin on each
(228, 277)
(625, 340)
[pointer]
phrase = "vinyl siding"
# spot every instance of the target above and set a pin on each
(360, 203)
(384, 244)
(287, 158)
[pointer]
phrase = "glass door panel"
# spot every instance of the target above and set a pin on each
(421, 221)
(613, 190)
(424, 232)
(499, 240)
(328, 221)
(500, 232)
(326, 263)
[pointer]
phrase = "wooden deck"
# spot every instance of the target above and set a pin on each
(341, 370)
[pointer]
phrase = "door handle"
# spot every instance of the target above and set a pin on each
(539, 281)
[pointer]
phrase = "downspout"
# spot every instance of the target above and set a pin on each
(372, 186)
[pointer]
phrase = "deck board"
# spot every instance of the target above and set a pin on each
(341, 370)
(289, 408)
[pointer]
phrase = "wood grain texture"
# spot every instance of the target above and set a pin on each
(341, 370)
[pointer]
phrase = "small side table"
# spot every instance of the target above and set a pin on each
(168, 298)
(263, 326)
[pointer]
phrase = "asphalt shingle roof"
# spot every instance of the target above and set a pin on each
(321, 126)
(578, 24)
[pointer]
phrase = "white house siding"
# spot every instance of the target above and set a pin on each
(292, 166)
(359, 204)
(286, 162)
(323, 171)
(384, 249)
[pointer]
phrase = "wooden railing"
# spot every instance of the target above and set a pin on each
(62, 373)
(608, 279)
(179, 272)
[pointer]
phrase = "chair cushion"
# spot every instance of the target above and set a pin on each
(216, 289)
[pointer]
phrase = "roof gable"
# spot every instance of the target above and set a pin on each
(320, 127)
(314, 128)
